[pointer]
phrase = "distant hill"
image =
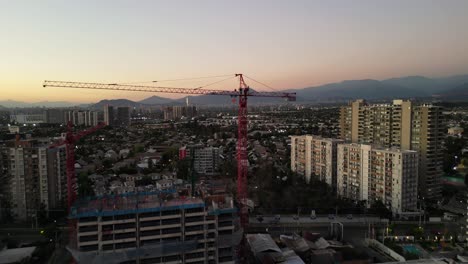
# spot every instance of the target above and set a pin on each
(13, 104)
(422, 84)
(353, 89)
(116, 103)
(157, 100)
(429, 86)
(459, 93)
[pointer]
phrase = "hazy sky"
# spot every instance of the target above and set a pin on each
(287, 44)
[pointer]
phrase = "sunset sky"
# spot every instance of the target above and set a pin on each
(286, 44)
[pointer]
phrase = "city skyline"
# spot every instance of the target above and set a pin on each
(286, 45)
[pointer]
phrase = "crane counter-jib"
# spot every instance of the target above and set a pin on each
(163, 89)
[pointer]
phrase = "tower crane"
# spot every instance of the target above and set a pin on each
(69, 141)
(242, 93)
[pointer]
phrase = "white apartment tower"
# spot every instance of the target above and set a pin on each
(206, 160)
(314, 156)
(108, 115)
(371, 174)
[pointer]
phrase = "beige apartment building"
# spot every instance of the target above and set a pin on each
(371, 174)
(404, 125)
(314, 156)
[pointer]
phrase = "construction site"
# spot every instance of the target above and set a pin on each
(162, 227)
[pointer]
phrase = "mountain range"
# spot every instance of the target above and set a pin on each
(453, 88)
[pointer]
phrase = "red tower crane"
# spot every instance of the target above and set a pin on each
(69, 142)
(242, 93)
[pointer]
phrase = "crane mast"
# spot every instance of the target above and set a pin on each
(242, 93)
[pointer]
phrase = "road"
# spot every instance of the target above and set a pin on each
(319, 220)
(22, 235)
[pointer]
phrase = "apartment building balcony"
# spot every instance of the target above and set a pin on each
(87, 232)
(195, 223)
(88, 240)
(123, 240)
(126, 230)
(201, 213)
(91, 223)
(171, 216)
(150, 223)
(226, 262)
(197, 259)
(196, 232)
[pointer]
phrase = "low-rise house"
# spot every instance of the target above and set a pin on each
(123, 153)
(164, 184)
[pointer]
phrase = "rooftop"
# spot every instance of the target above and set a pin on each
(132, 203)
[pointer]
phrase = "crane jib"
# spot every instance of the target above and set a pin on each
(162, 89)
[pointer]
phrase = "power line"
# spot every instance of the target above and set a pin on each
(180, 79)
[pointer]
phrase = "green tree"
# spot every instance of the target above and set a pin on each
(146, 180)
(378, 208)
(42, 216)
(107, 163)
(183, 169)
(138, 148)
(85, 185)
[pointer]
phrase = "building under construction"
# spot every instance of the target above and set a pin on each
(162, 227)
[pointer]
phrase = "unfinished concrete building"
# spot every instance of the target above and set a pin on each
(155, 228)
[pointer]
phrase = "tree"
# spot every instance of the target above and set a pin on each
(138, 148)
(85, 185)
(378, 208)
(146, 180)
(5, 207)
(42, 217)
(107, 163)
(183, 167)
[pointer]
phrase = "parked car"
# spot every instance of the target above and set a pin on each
(349, 216)
(331, 216)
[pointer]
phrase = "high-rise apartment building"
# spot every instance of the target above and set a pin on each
(206, 160)
(54, 116)
(177, 112)
(123, 116)
(404, 125)
(81, 118)
(371, 174)
(314, 156)
(109, 115)
(33, 174)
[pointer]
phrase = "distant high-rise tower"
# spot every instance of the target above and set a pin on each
(186, 101)
(108, 115)
(404, 125)
(123, 116)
